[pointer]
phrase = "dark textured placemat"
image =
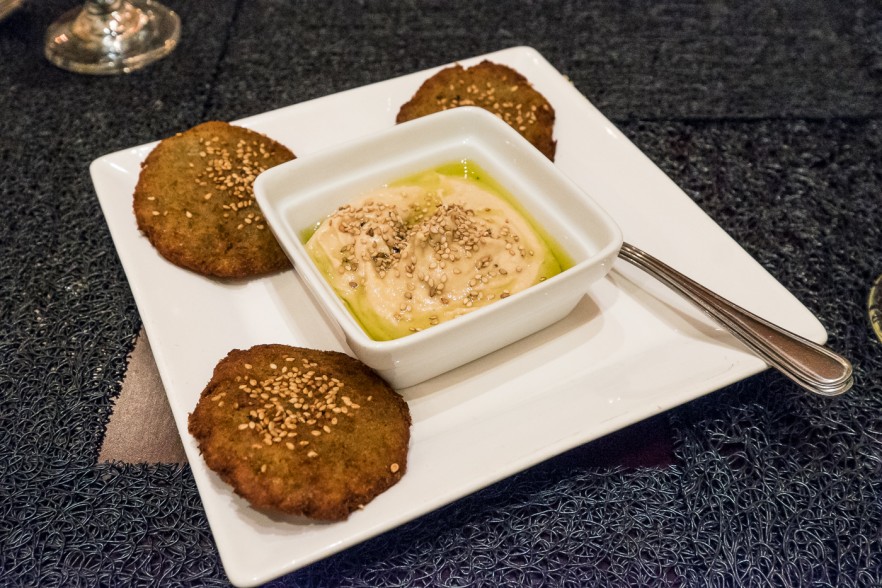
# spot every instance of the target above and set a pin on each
(800, 58)
(768, 116)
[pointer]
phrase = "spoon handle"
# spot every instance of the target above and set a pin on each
(812, 366)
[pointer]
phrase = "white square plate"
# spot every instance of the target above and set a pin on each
(630, 349)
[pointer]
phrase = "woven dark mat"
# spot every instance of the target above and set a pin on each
(768, 116)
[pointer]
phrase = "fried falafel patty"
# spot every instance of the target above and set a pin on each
(195, 201)
(314, 433)
(494, 87)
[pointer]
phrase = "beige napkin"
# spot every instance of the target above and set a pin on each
(141, 428)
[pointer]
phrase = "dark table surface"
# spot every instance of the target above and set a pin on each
(766, 114)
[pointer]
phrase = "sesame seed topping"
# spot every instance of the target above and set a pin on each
(231, 172)
(440, 254)
(281, 400)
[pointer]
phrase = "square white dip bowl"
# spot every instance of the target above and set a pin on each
(295, 196)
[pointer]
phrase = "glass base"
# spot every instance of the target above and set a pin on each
(112, 37)
(874, 307)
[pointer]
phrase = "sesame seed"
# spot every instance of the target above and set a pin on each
(280, 400)
(433, 245)
(394, 468)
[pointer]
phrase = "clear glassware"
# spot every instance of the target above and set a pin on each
(112, 36)
(874, 306)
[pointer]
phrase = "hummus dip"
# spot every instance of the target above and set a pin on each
(428, 249)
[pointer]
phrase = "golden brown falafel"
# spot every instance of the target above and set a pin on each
(315, 433)
(195, 201)
(494, 87)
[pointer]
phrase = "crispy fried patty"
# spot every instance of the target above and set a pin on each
(314, 433)
(195, 201)
(494, 87)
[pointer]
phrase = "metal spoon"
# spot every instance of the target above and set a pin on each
(812, 366)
